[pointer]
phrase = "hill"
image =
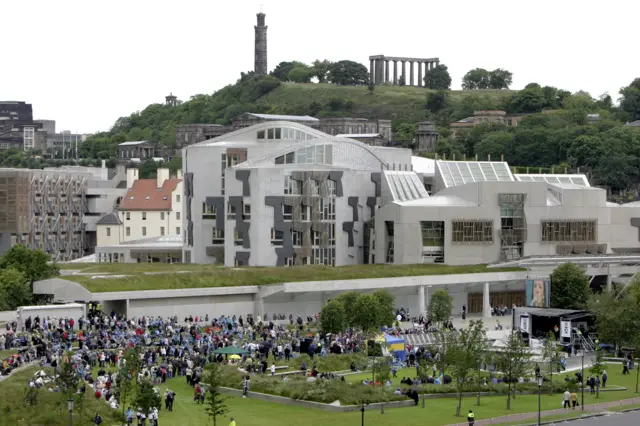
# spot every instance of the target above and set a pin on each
(404, 103)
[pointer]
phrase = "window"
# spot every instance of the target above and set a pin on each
(177, 198)
(246, 211)
(331, 187)
(324, 256)
(289, 261)
(296, 237)
(327, 208)
(217, 236)
(238, 239)
(291, 186)
(144, 231)
(332, 235)
(270, 134)
(208, 211)
(177, 215)
(287, 212)
(305, 212)
(161, 215)
(128, 215)
(177, 230)
(144, 215)
(162, 231)
(231, 211)
(569, 230)
(472, 231)
(127, 231)
(276, 237)
(260, 135)
(432, 233)
(315, 238)
(108, 232)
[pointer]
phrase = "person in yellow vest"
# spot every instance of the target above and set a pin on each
(99, 307)
(233, 422)
(471, 418)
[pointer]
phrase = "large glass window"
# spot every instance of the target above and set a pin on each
(569, 230)
(432, 233)
(472, 231)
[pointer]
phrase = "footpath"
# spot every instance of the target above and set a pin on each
(529, 418)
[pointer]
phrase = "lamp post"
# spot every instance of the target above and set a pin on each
(365, 402)
(540, 378)
(70, 403)
(582, 381)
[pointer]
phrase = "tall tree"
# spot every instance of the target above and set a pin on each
(515, 362)
(529, 100)
(348, 73)
(348, 299)
(282, 70)
(366, 313)
(301, 74)
(216, 403)
(477, 78)
(464, 352)
(436, 101)
(500, 79)
(569, 287)
(147, 398)
(437, 78)
(440, 306)
(321, 70)
(332, 317)
(550, 357)
(617, 316)
(382, 372)
(385, 307)
(33, 264)
(630, 101)
(14, 289)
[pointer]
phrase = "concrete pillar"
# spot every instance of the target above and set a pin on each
(486, 301)
(420, 74)
(411, 74)
(404, 71)
(395, 72)
(422, 306)
(379, 71)
(372, 73)
(386, 71)
(258, 306)
(609, 284)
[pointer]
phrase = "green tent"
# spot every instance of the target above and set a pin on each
(230, 350)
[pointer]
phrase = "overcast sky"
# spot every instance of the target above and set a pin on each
(86, 63)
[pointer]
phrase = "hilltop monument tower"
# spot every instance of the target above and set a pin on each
(260, 66)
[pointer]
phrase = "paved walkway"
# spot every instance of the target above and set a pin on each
(528, 418)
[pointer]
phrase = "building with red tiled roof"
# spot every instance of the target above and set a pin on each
(151, 208)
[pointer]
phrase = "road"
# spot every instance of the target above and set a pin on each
(613, 419)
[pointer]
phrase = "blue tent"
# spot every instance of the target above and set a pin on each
(396, 346)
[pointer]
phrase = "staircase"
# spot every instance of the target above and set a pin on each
(583, 341)
(424, 339)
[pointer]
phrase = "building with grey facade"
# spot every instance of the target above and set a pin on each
(480, 212)
(281, 193)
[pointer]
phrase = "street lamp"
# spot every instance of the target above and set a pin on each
(540, 379)
(70, 403)
(582, 381)
(365, 402)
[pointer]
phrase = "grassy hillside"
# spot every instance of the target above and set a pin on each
(386, 102)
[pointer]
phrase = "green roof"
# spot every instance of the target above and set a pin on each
(142, 276)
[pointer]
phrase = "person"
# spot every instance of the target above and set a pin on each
(574, 400)
(233, 422)
(245, 386)
(604, 378)
(97, 419)
(273, 369)
(566, 398)
(129, 416)
(625, 366)
(471, 418)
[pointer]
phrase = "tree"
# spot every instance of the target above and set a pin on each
(366, 316)
(348, 73)
(617, 316)
(569, 287)
(382, 371)
(528, 100)
(67, 379)
(514, 361)
(384, 307)
(438, 78)
(147, 398)
(34, 264)
(321, 70)
(494, 144)
(332, 317)
(126, 378)
(282, 70)
(550, 356)
(598, 367)
(630, 100)
(500, 79)
(402, 81)
(301, 74)
(440, 306)
(436, 101)
(14, 289)
(477, 78)
(348, 299)
(216, 406)
(422, 370)
(464, 352)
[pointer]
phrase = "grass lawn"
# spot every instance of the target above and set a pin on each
(198, 276)
(250, 412)
(386, 101)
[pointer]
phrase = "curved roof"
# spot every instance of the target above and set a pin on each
(346, 152)
(251, 132)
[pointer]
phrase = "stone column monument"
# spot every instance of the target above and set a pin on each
(260, 65)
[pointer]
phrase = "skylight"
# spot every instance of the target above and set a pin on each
(456, 173)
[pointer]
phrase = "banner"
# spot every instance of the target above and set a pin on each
(565, 328)
(525, 324)
(538, 293)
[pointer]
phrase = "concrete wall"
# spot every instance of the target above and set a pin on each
(613, 222)
(72, 310)
(185, 306)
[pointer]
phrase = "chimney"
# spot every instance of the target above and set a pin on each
(162, 174)
(179, 173)
(104, 164)
(132, 176)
